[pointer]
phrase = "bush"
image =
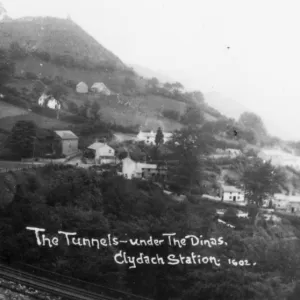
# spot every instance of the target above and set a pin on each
(171, 114)
(73, 108)
(45, 111)
(16, 51)
(47, 80)
(45, 56)
(30, 75)
(7, 154)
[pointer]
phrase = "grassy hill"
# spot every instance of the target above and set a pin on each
(9, 114)
(53, 50)
(57, 37)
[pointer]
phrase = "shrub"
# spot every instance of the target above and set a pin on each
(7, 154)
(45, 56)
(45, 111)
(171, 114)
(30, 75)
(16, 51)
(47, 80)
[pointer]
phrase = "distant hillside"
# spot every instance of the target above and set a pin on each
(228, 107)
(56, 37)
(148, 73)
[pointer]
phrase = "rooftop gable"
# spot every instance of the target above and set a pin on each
(66, 135)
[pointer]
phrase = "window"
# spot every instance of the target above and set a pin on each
(126, 176)
(109, 151)
(230, 197)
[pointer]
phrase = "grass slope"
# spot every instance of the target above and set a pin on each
(8, 110)
(8, 122)
(56, 36)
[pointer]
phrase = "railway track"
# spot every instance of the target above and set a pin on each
(45, 285)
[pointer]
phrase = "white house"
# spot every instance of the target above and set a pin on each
(285, 202)
(82, 88)
(148, 137)
(49, 101)
(104, 154)
(232, 194)
(99, 87)
(132, 169)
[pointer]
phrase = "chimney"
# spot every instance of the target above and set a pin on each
(96, 140)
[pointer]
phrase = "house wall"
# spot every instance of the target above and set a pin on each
(229, 196)
(128, 168)
(293, 207)
(153, 173)
(149, 138)
(82, 88)
(53, 104)
(279, 203)
(111, 160)
(104, 151)
(69, 147)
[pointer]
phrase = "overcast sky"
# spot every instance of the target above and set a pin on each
(248, 51)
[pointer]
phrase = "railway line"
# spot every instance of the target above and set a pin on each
(66, 292)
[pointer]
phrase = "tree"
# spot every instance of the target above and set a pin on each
(262, 180)
(153, 82)
(129, 84)
(252, 121)
(83, 110)
(22, 138)
(193, 115)
(296, 292)
(178, 85)
(187, 145)
(7, 67)
(73, 108)
(95, 107)
(198, 97)
(57, 90)
(16, 51)
(159, 138)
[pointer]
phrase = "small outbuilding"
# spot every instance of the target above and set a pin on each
(99, 87)
(82, 88)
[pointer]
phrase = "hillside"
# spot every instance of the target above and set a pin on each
(57, 37)
(148, 73)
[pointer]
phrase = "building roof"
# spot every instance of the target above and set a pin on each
(231, 189)
(146, 166)
(97, 145)
(82, 83)
(66, 135)
(99, 85)
(232, 149)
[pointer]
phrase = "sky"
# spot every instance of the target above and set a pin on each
(247, 51)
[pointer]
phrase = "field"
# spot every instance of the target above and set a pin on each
(8, 110)
(113, 80)
(7, 123)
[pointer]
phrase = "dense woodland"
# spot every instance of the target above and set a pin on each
(65, 198)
